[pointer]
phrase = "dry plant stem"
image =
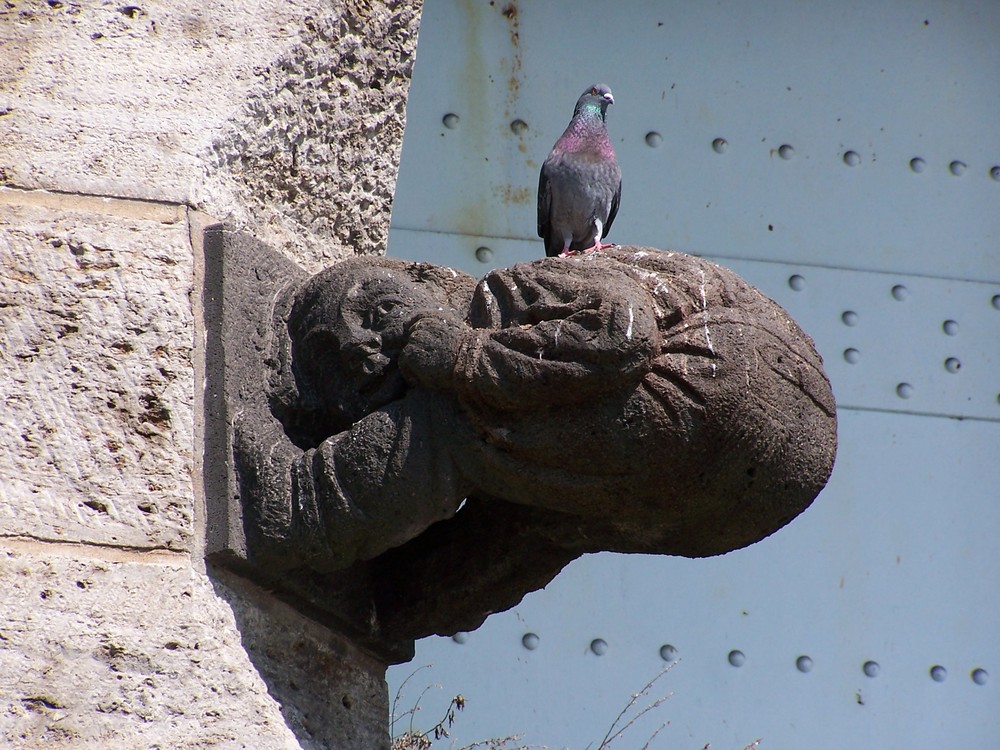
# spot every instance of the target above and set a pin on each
(415, 739)
(614, 734)
(652, 737)
(497, 744)
(416, 706)
(606, 742)
(421, 740)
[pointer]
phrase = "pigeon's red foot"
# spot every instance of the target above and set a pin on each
(595, 248)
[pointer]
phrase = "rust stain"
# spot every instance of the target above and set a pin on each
(511, 12)
(513, 195)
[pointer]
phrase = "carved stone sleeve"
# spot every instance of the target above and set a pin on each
(386, 479)
(544, 337)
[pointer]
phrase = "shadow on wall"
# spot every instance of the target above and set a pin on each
(331, 694)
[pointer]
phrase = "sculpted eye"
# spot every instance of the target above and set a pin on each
(386, 309)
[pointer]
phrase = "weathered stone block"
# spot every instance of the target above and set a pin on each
(285, 118)
(123, 655)
(282, 117)
(96, 337)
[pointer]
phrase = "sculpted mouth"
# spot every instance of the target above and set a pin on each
(380, 389)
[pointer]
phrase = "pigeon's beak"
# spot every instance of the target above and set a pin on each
(608, 98)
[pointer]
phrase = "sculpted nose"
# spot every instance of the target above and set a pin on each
(365, 344)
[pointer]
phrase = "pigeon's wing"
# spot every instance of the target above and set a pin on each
(613, 211)
(544, 206)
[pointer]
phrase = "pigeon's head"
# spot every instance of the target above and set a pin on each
(596, 99)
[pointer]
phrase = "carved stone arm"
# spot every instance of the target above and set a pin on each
(359, 493)
(538, 340)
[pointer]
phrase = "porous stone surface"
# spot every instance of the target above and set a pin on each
(97, 335)
(124, 129)
(285, 118)
(106, 654)
(313, 155)
(96, 397)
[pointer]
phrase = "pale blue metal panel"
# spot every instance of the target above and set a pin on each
(896, 563)
(823, 78)
(892, 265)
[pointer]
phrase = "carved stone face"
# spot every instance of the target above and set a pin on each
(348, 346)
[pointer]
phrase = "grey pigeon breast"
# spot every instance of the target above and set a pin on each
(579, 187)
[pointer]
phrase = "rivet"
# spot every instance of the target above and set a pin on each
(530, 641)
(917, 165)
(719, 145)
(599, 646)
(519, 127)
(850, 318)
(939, 673)
(995, 173)
(450, 120)
(804, 664)
(852, 356)
(484, 254)
(980, 676)
(737, 658)
(950, 327)
(870, 668)
(852, 158)
(796, 282)
(786, 152)
(653, 139)
(668, 653)
(952, 364)
(995, 301)
(900, 292)
(957, 168)
(460, 637)
(904, 390)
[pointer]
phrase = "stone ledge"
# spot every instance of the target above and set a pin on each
(97, 553)
(127, 208)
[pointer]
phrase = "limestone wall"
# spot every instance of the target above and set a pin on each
(124, 130)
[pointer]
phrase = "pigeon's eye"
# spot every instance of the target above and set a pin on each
(594, 91)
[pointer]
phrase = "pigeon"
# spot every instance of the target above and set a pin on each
(580, 183)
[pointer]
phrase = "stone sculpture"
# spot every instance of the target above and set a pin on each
(448, 446)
